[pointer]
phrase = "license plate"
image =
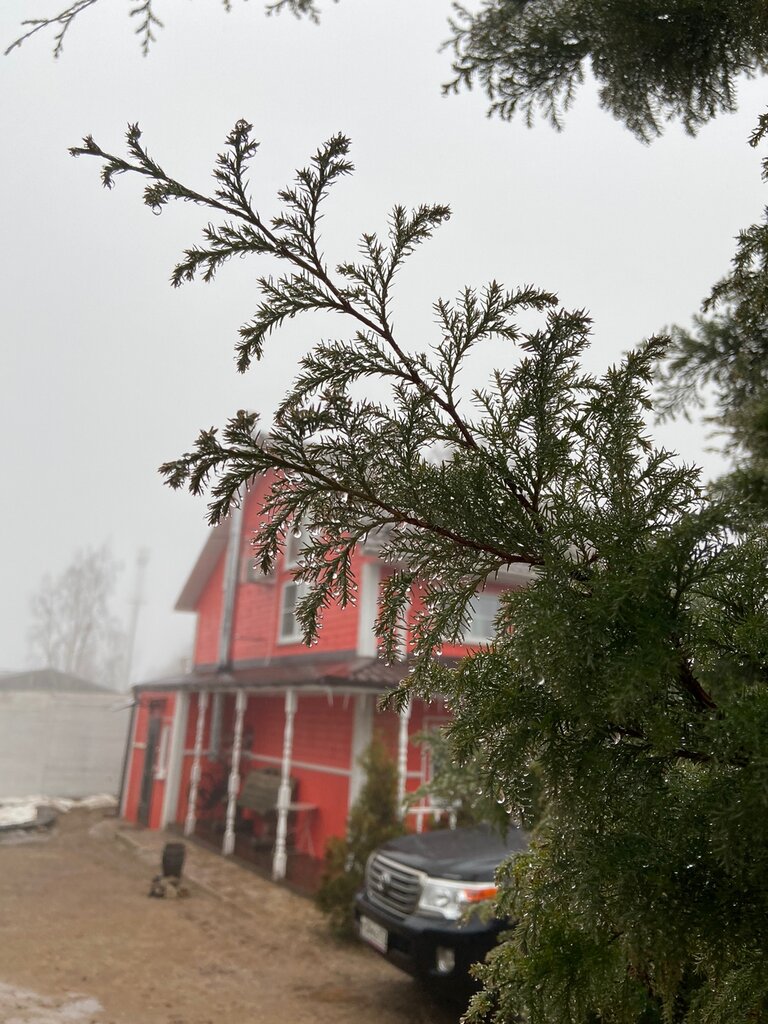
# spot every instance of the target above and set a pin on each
(373, 934)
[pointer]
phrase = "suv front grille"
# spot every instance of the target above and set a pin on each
(392, 886)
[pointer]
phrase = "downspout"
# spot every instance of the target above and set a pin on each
(229, 587)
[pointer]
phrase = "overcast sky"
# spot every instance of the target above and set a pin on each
(105, 371)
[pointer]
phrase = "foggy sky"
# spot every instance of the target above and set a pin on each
(105, 371)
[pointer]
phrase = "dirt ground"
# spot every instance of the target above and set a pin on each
(81, 943)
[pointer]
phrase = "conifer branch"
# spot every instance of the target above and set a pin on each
(64, 20)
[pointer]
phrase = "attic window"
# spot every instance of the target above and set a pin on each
(290, 630)
(296, 539)
(251, 571)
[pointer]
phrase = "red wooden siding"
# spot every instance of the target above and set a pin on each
(258, 601)
(162, 704)
(323, 739)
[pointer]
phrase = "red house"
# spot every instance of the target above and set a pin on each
(259, 745)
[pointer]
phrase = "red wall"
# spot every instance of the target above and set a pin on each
(255, 632)
(323, 727)
(149, 703)
(321, 755)
(209, 618)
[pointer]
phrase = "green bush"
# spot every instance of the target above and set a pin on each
(373, 819)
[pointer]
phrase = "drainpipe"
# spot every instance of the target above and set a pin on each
(229, 587)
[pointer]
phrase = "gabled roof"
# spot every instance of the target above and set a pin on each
(215, 546)
(48, 680)
(207, 560)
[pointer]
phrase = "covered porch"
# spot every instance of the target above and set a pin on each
(263, 762)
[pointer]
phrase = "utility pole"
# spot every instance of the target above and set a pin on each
(142, 557)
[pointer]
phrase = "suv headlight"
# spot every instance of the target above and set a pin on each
(450, 899)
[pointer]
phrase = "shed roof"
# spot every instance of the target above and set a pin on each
(48, 680)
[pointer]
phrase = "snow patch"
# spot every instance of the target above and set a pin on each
(17, 814)
(62, 804)
(22, 1006)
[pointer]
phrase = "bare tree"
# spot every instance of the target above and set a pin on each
(73, 628)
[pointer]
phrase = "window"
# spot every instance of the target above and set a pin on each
(161, 764)
(251, 571)
(296, 538)
(482, 612)
(289, 626)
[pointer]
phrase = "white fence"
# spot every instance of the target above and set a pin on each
(61, 744)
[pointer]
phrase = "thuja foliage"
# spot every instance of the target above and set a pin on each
(632, 670)
(143, 13)
(724, 359)
(373, 819)
(457, 787)
(653, 60)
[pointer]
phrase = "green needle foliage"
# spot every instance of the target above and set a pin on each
(457, 787)
(373, 819)
(632, 671)
(724, 361)
(653, 60)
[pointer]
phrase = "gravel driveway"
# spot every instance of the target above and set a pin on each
(80, 943)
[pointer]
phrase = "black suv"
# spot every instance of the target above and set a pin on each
(417, 889)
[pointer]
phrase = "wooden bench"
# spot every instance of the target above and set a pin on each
(260, 790)
(259, 794)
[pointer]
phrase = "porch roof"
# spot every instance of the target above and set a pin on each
(352, 673)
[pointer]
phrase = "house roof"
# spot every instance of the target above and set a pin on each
(214, 547)
(302, 671)
(48, 680)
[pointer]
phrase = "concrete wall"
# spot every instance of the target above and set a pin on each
(61, 744)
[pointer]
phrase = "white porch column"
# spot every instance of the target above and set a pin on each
(234, 775)
(362, 733)
(402, 754)
(194, 779)
(175, 757)
(280, 859)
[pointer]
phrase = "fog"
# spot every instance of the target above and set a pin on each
(106, 371)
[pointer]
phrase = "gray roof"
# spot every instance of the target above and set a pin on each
(215, 546)
(49, 680)
(327, 671)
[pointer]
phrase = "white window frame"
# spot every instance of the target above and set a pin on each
(251, 572)
(294, 545)
(471, 636)
(296, 635)
(161, 764)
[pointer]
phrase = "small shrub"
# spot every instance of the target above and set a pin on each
(373, 819)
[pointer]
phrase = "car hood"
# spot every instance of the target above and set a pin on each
(464, 854)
